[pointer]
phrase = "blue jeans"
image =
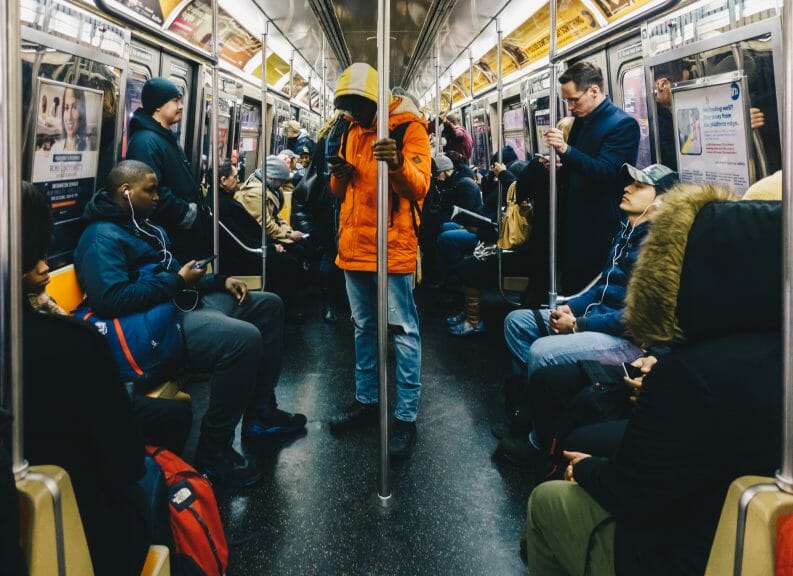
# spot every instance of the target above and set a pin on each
(403, 321)
(453, 245)
(530, 350)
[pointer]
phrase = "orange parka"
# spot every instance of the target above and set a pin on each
(409, 182)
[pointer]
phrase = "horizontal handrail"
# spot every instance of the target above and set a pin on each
(240, 242)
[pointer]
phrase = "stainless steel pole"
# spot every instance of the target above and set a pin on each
(324, 81)
(471, 72)
(215, 140)
(784, 477)
(451, 92)
(383, 47)
(553, 112)
(11, 229)
(437, 99)
(500, 145)
(499, 103)
(264, 135)
(292, 76)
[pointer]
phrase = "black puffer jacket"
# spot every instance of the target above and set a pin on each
(152, 144)
(709, 412)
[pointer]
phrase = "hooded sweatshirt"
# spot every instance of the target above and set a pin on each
(408, 184)
(154, 145)
(112, 250)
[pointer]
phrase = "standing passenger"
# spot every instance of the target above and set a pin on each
(182, 209)
(602, 139)
(354, 180)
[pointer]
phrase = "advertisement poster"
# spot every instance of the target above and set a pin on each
(66, 152)
(711, 131)
(542, 121)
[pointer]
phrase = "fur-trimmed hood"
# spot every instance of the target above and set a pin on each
(706, 266)
(651, 302)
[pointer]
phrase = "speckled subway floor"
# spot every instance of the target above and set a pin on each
(455, 509)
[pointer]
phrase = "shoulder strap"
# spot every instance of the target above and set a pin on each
(398, 134)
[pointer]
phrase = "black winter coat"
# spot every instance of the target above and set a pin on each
(152, 144)
(710, 410)
(78, 416)
(599, 144)
(234, 259)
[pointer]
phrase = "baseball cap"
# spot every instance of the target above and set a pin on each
(658, 175)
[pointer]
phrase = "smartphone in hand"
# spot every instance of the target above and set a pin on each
(201, 264)
(543, 156)
(631, 371)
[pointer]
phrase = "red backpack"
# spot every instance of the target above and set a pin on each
(199, 544)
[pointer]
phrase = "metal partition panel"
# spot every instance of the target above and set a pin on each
(10, 229)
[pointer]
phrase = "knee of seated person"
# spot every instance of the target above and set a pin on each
(549, 500)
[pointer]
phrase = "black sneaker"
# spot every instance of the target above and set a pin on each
(519, 451)
(357, 415)
(403, 437)
(279, 422)
(228, 468)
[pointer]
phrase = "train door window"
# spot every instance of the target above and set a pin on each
(634, 102)
(480, 132)
(755, 57)
(514, 134)
(136, 78)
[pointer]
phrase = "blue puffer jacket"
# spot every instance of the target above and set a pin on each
(110, 253)
(600, 308)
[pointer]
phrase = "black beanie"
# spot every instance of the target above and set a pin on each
(156, 92)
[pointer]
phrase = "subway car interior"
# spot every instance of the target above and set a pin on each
(451, 241)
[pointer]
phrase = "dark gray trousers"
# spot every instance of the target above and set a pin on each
(242, 346)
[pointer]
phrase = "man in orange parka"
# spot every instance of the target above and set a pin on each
(354, 181)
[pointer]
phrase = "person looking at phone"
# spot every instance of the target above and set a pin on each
(234, 334)
(354, 181)
(602, 139)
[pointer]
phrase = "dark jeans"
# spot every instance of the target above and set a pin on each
(163, 422)
(242, 346)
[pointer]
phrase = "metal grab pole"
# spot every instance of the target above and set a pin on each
(553, 112)
(471, 73)
(784, 477)
(292, 76)
(264, 154)
(500, 145)
(215, 140)
(11, 231)
(383, 46)
(324, 80)
(437, 99)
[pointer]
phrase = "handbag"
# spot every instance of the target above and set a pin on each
(516, 226)
(147, 346)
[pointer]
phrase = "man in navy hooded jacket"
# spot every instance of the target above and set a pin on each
(234, 334)
(182, 209)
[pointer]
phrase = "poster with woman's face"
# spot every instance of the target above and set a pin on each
(67, 137)
(66, 153)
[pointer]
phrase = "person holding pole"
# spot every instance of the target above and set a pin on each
(354, 180)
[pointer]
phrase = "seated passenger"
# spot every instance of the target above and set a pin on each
(283, 270)
(78, 416)
(236, 335)
(162, 421)
(709, 411)
(445, 243)
(285, 278)
(590, 326)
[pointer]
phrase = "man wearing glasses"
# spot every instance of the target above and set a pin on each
(602, 139)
